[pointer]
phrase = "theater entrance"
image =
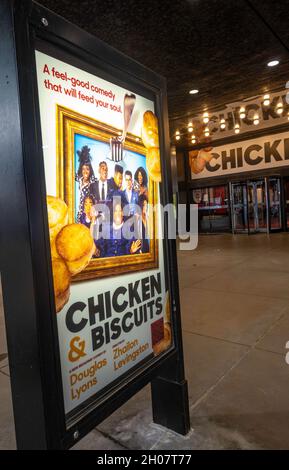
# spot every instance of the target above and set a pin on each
(256, 205)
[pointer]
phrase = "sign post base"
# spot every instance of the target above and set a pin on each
(171, 405)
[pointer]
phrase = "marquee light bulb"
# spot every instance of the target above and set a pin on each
(279, 108)
(178, 137)
(190, 127)
(266, 100)
(207, 132)
(242, 112)
(256, 120)
(237, 129)
(223, 124)
(206, 118)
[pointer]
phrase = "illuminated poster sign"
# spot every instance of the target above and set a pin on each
(270, 151)
(102, 171)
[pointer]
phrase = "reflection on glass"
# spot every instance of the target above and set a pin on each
(257, 207)
(275, 205)
(286, 190)
(213, 208)
(239, 195)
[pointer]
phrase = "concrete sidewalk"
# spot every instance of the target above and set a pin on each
(235, 315)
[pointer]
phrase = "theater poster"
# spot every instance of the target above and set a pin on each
(102, 171)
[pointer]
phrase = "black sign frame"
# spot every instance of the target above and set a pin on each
(25, 251)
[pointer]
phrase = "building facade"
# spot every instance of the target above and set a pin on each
(240, 177)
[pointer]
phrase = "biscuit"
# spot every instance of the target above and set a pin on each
(78, 265)
(150, 130)
(197, 166)
(57, 215)
(198, 162)
(75, 245)
(153, 163)
(61, 282)
(53, 250)
(205, 154)
(193, 154)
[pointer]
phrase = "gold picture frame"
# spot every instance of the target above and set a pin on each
(69, 123)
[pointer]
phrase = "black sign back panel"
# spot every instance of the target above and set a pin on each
(26, 262)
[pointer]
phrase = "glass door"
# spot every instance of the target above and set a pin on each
(252, 220)
(239, 207)
(257, 206)
(274, 194)
(286, 201)
(249, 207)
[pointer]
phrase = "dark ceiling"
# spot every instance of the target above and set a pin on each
(220, 47)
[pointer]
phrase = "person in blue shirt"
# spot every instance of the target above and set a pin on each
(117, 179)
(117, 244)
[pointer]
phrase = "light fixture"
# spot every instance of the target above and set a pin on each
(273, 63)
(237, 128)
(207, 132)
(178, 137)
(190, 127)
(193, 92)
(222, 123)
(206, 118)
(194, 139)
(242, 112)
(256, 119)
(266, 99)
(279, 107)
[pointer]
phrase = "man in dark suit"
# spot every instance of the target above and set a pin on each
(130, 196)
(101, 188)
(116, 181)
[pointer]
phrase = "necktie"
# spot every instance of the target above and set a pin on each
(102, 193)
